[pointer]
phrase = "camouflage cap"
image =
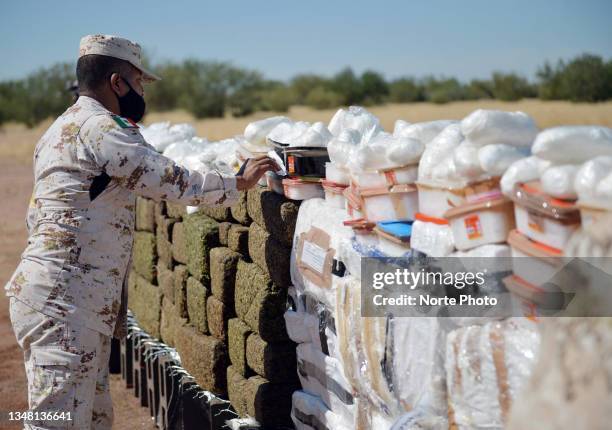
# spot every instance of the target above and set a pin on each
(117, 47)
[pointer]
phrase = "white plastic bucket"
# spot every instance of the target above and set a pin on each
(542, 218)
(399, 202)
(337, 174)
(383, 178)
(477, 224)
(302, 190)
(334, 194)
(541, 228)
(591, 213)
(533, 262)
(435, 201)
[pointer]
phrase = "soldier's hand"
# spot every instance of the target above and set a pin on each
(255, 168)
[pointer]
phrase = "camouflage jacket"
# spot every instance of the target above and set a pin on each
(88, 168)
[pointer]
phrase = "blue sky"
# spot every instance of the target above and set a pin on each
(466, 39)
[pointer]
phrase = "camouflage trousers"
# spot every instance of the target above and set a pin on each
(67, 370)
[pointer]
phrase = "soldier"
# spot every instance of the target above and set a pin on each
(67, 294)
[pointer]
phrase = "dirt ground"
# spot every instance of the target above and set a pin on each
(15, 189)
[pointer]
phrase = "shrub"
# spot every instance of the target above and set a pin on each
(511, 87)
(322, 98)
(406, 90)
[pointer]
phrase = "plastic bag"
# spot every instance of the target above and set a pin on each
(287, 131)
(432, 239)
(257, 131)
(558, 181)
(484, 127)
(466, 161)
(589, 178)
(424, 132)
(523, 170)
(573, 144)
(385, 151)
(160, 135)
(399, 126)
(439, 155)
(316, 135)
(356, 118)
(495, 159)
(342, 147)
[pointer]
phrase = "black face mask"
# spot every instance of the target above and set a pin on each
(131, 105)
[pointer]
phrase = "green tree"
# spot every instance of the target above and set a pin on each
(303, 84)
(479, 89)
(511, 87)
(443, 90)
(550, 83)
(348, 86)
(323, 98)
(587, 78)
(374, 88)
(406, 90)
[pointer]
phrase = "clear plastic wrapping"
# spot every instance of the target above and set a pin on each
(486, 367)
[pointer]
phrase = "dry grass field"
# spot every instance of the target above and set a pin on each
(17, 142)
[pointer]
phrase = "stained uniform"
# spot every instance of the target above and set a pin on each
(66, 293)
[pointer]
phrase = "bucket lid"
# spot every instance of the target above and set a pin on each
(360, 224)
(401, 230)
(419, 216)
(591, 205)
(331, 185)
(520, 287)
(353, 199)
(494, 204)
(393, 189)
(531, 247)
(300, 181)
(531, 196)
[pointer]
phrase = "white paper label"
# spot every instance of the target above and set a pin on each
(313, 256)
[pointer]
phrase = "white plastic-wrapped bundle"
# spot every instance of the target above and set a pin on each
(558, 181)
(323, 377)
(419, 420)
(161, 134)
(496, 158)
(435, 240)
(355, 118)
(399, 126)
(417, 348)
(523, 170)
(467, 164)
(437, 166)
(297, 320)
(486, 367)
(573, 144)
(590, 177)
(342, 147)
(424, 132)
(308, 412)
(287, 131)
(257, 131)
(485, 127)
(319, 231)
(317, 135)
(385, 151)
(178, 151)
(569, 386)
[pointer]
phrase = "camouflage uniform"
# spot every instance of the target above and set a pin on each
(89, 166)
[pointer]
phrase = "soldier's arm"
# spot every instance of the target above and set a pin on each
(123, 154)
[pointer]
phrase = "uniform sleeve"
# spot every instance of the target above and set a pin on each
(125, 156)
